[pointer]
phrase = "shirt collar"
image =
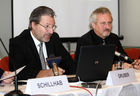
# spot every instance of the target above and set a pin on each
(37, 42)
(97, 38)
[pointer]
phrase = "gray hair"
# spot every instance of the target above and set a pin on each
(101, 10)
(38, 12)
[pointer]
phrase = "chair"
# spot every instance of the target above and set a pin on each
(133, 53)
(4, 63)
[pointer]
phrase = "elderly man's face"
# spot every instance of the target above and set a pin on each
(103, 25)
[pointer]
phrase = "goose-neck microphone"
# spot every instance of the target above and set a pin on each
(128, 59)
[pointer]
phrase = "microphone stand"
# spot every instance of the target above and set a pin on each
(15, 92)
(120, 62)
(4, 46)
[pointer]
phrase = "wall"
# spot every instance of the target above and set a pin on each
(69, 23)
(130, 22)
(5, 25)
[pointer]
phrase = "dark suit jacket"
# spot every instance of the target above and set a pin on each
(22, 51)
(1, 72)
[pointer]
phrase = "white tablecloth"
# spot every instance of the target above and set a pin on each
(131, 89)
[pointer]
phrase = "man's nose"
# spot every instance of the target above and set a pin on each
(51, 30)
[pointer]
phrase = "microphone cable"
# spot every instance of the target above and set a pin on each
(82, 88)
(97, 87)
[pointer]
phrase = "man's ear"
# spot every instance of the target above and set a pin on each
(93, 25)
(33, 25)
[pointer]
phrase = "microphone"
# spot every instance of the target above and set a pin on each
(55, 69)
(54, 62)
(128, 59)
(4, 46)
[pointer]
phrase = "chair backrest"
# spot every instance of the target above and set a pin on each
(4, 63)
(133, 53)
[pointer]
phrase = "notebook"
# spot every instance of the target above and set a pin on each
(95, 62)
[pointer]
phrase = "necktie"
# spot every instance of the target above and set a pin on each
(103, 42)
(42, 58)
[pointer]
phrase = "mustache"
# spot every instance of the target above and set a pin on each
(107, 29)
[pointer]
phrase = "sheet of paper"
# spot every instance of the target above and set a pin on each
(12, 74)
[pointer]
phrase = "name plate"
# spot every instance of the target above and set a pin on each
(47, 85)
(118, 77)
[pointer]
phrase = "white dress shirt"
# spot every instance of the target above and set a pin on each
(37, 42)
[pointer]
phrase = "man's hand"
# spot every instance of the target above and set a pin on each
(136, 64)
(124, 66)
(49, 72)
(9, 80)
(127, 65)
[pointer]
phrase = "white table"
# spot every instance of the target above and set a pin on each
(131, 89)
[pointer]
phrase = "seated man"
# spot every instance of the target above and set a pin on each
(100, 34)
(35, 44)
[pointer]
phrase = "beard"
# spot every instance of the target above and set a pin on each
(106, 33)
(46, 38)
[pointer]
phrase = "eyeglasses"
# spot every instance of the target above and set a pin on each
(49, 26)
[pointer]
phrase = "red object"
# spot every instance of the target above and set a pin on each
(133, 53)
(82, 88)
(4, 63)
(73, 55)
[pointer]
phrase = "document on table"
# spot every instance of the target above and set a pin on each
(12, 74)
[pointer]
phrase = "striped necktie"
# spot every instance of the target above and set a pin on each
(41, 55)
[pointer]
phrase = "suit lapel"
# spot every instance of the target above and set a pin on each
(32, 46)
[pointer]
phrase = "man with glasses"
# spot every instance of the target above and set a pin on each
(35, 44)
